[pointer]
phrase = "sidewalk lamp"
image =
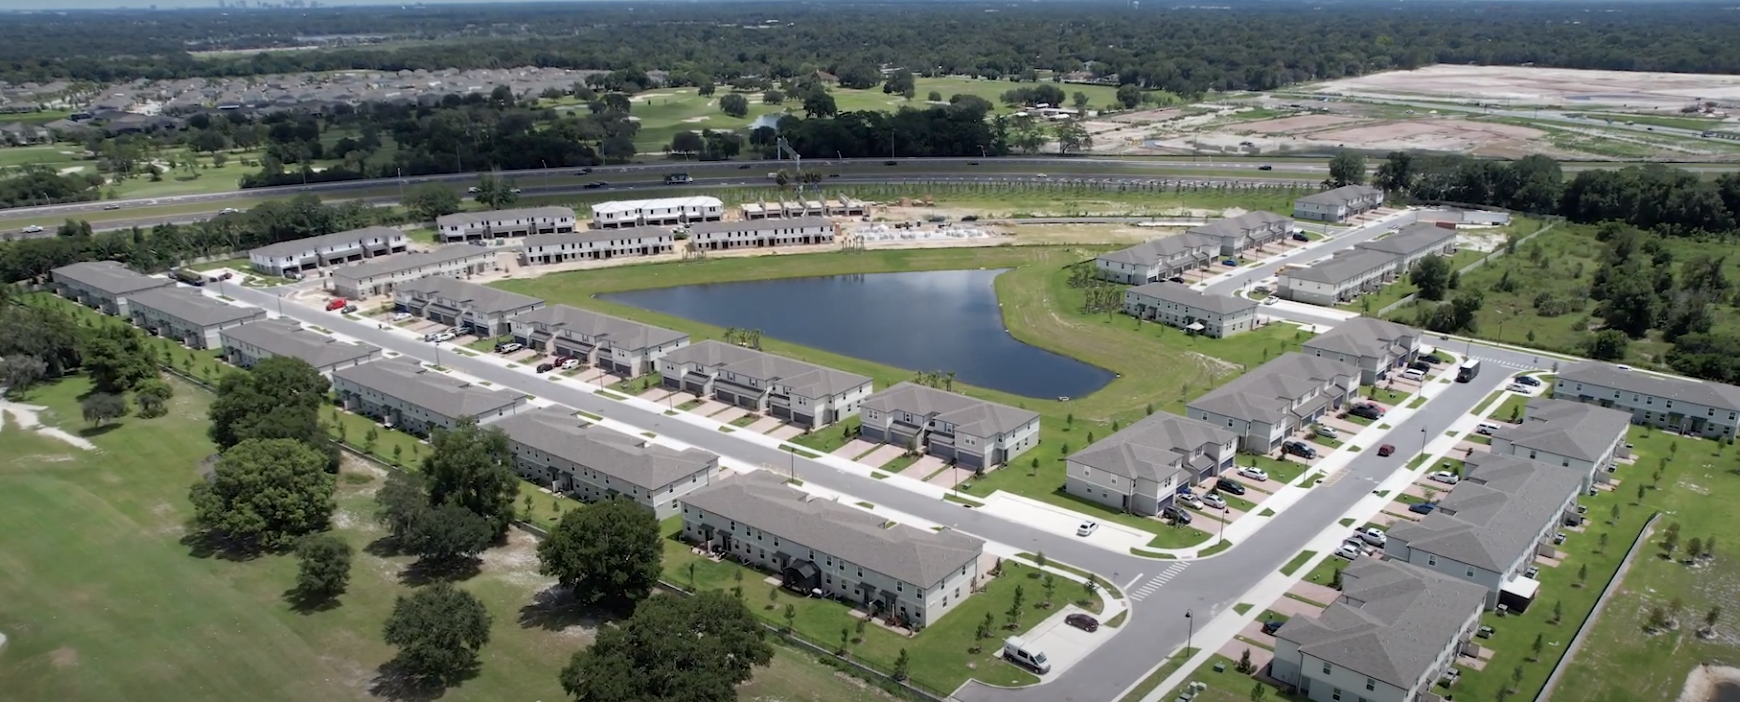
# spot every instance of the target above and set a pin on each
(1190, 632)
(1422, 442)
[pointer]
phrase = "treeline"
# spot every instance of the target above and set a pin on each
(1185, 50)
(43, 186)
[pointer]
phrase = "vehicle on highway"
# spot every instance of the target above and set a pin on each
(1300, 449)
(112, 206)
(473, 190)
(1422, 507)
(1254, 473)
(1528, 380)
(1229, 486)
(1272, 626)
(1347, 551)
(1083, 622)
(1374, 536)
(335, 304)
(1445, 477)
(1386, 449)
(678, 179)
(515, 191)
(508, 347)
(229, 210)
(1040, 175)
(1265, 167)
(32, 229)
(890, 163)
(1087, 528)
(1468, 370)
(1175, 515)
(594, 185)
(1213, 501)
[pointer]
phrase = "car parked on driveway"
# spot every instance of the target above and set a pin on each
(1300, 449)
(1520, 389)
(508, 347)
(1348, 552)
(1367, 411)
(1300, 236)
(349, 309)
(546, 367)
(1231, 487)
(1374, 536)
(1175, 515)
(1445, 477)
(1422, 507)
(335, 304)
(1214, 501)
(1326, 431)
(1528, 380)
(1272, 626)
(401, 316)
(1414, 374)
(568, 364)
(1083, 622)
(1486, 429)
(1386, 449)
(1254, 473)
(1087, 528)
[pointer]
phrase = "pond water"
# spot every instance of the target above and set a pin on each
(934, 320)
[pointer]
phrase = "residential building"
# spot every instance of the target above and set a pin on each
(187, 316)
(1393, 631)
(819, 546)
(1694, 407)
(963, 430)
(1412, 243)
(1246, 231)
(555, 448)
(477, 309)
(497, 224)
(1277, 399)
(797, 231)
(1158, 259)
(1374, 345)
(596, 244)
(1344, 277)
(1139, 468)
(382, 276)
(1177, 305)
(259, 340)
(317, 251)
(1338, 204)
(1492, 525)
(403, 394)
(625, 348)
(1584, 438)
(667, 211)
(804, 394)
(104, 285)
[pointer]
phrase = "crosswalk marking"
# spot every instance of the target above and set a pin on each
(1507, 364)
(1153, 584)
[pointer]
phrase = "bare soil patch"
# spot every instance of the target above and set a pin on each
(1297, 124)
(1543, 86)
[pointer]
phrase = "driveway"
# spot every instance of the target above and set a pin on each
(1065, 645)
(854, 449)
(707, 408)
(765, 424)
(656, 394)
(729, 414)
(1295, 608)
(1234, 649)
(523, 355)
(1316, 592)
(923, 467)
(1063, 522)
(786, 431)
(882, 455)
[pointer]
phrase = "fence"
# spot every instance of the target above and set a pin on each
(1594, 614)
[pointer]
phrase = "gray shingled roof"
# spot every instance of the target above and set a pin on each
(558, 432)
(1492, 518)
(585, 235)
(192, 307)
(806, 379)
(971, 415)
(756, 225)
(1267, 393)
(1180, 293)
(389, 265)
(432, 390)
(283, 337)
(1391, 623)
(299, 246)
(1702, 392)
(1341, 195)
(614, 332)
(1154, 251)
(523, 213)
(1234, 226)
(486, 300)
(1414, 237)
(1566, 428)
(763, 501)
(109, 276)
(1346, 265)
(1153, 448)
(1364, 337)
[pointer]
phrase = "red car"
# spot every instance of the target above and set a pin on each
(336, 304)
(1386, 449)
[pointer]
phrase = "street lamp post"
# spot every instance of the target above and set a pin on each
(1190, 633)
(1422, 442)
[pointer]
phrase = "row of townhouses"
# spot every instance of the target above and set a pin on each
(498, 224)
(383, 276)
(1199, 247)
(291, 257)
(1338, 204)
(1367, 266)
(841, 207)
(665, 211)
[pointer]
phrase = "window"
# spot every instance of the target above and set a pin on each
(1327, 669)
(1336, 694)
(1370, 684)
(1431, 560)
(1470, 571)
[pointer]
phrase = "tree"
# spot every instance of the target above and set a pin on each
(1259, 693)
(265, 493)
(153, 396)
(1346, 168)
(772, 97)
(1558, 611)
(471, 466)
(1670, 544)
(1073, 138)
(279, 398)
(19, 373)
(819, 103)
(1129, 96)
(116, 358)
(899, 82)
(609, 552)
(426, 202)
(901, 664)
(401, 503)
(496, 192)
(1539, 645)
(1050, 585)
(734, 104)
(438, 629)
(696, 648)
(790, 616)
(1432, 276)
(686, 142)
(447, 533)
(101, 407)
(1607, 345)
(323, 568)
(1582, 574)
(934, 96)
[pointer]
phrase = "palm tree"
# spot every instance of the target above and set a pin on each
(949, 381)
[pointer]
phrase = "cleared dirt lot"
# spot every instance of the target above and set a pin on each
(1541, 86)
(1298, 124)
(1436, 135)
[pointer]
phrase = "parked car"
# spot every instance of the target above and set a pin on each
(1214, 501)
(1348, 552)
(508, 347)
(1520, 389)
(1528, 380)
(1445, 477)
(1300, 236)
(1326, 431)
(1083, 622)
(1229, 486)
(568, 364)
(1300, 449)
(349, 309)
(1190, 499)
(1087, 528)
(1414, 374)
(335, 304)
(1374, 536)
(1367, 411)
(1270, 300)
(448, 335)
(1229, 263)
(546, 367)
(1254, 473)
(1175, 279)
(1272, 626)
(401, 316)
(1422, 507)
(1175, 515)
(1386, 449)
(1486, 429)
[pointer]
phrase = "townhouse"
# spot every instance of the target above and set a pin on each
(1158, 259)
(963, 430)
(1412, 243)
(1139, 468)
(403, 394)
(1277, 399)
(1343, 277)
(804, 394)
(187, 316)
(797, 231)
(1584, 438)
(625, 348)
(1338, 204)
(477, 309)
(597, 244)
(819, 546)
(104, 285)
(1694, 407)
(497, 224)
(294, 256)
(1177, 305)
(1492, 525)
(667, 211)
(384, 275)
(1249, 230)
(1375, 346)
(261, 339)
(555, 448)
(1393, 631)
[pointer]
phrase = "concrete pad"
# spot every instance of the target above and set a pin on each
(655, 394)
(594, 376)
(882, 455)
(1254, 632)
(678, 399)
(522, 355)
(1347, 429)
(766, 424)
(1316, 592)
(1235, 649)
(1065, 645)
(709, 407)
(1295, 608)
(1400, 511)
(924, 466)
(854, 449)
(1384, 520)
(1416, 489)
(951, 477)
(728, 414)
(785, 431)
(1063, 521)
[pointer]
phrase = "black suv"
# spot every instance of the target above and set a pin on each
(1175, 515)
(1372, 412)
(1231, 487)
(1299, 448)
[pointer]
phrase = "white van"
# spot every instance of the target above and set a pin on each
(1017, 651)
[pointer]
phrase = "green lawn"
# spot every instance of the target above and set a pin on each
(1172, 664)
(831, 438)
(1511, 410)
(1280, 472)
(1297, 562)
(1324, 573)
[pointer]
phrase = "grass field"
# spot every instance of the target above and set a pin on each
(101, 600)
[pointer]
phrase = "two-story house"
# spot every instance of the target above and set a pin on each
(964, 430)
(259, 340)
(104, 285)
(803, 394)
(666, 211)
(1587, 439)
(1177, 305)
(1338, 204)
(1694, 407)
(403, 394)
(381, 276)
(1412, 243)
(316, 251)
(476, 309)
(1138, 469)
(185, 315)
(1277, 399)
(555, 448)
(1343, 277)
(819, 546)
(1376, 346)
(597, 244)
(760, 233)
(1158, 259)
(1391, 634)
(496, 224)
(1246, 231)
(622, 347)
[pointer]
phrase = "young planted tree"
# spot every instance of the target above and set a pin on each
(901, 664)
(1050, 585)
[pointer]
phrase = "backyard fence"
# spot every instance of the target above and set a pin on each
(1594, 614)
